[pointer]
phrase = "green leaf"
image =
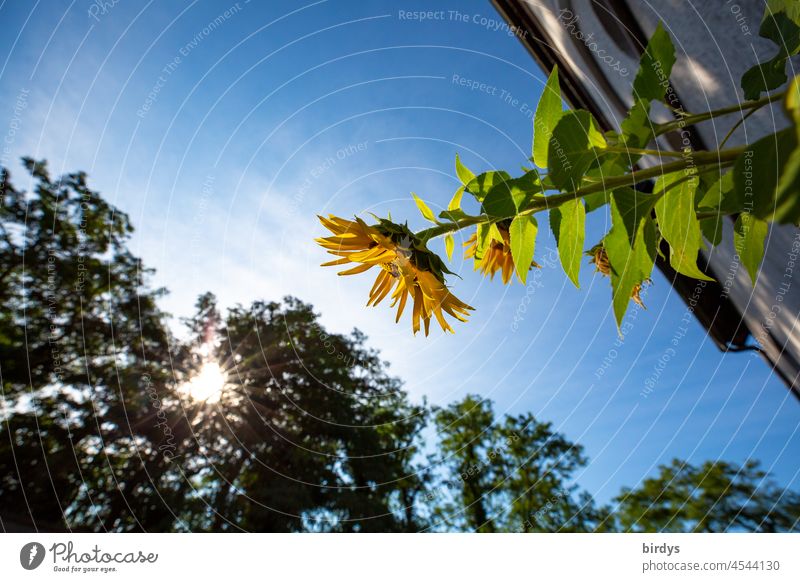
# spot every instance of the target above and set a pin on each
(791, 103)
(426, 212)
(486, 233)
(650, 84)
(548, 112)
(499, 202)
(712, 228)
(679, 225)
(573, 149)
(453, 215)
(790, 7)
(631, 208)
(766, 178)
(781, 26)
(721, 196)
(637, 129)
(508, 198)
(788, 210)
(455, 201)
(630, 245)
(463, 173)
(596, 200)
(655, 67)
(764, 77)
(494, 233)
(609, 168)
(449, 243)
(749, 234)
(568, 223)
(480, 185)
(522, 233)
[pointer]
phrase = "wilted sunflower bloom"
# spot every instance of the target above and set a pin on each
(407, 268)
(496, 256)
(599, 258)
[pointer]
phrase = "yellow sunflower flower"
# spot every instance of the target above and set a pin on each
(406, 270)
(496, 256)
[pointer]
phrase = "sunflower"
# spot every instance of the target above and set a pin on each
(496, 256)
(599, 258)
(407, 268)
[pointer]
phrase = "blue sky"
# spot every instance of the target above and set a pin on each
(223, 128)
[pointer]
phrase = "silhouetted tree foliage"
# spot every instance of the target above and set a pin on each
(714, 497)
(308, 432)
(79, 334)
(510, 475)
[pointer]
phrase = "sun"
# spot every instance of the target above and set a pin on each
(207, 385)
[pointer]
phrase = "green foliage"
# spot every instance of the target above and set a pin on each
(92, 381)
(781, 25)
(582, 169)
(721, 196)
(84, 352)
(714, 497)
(522, 233)
(766, 177)
(548, 113)
(466, 440)
(573, 148)
(455, 201)
(426, 212)
(511, 475)
(677, 220)
(480, 186)
(652, 78)
(749, 234)
(486, 233)
(507, 198)
(791, 103)
(464, 174)
(712, 228)
(309, 433)
(650, 84)
(568, 223)
(630, 245)
(449, 243)
(283, 435)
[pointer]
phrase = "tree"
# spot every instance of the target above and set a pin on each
(510, 475)
(715, 497)
(83, 346)
(468, 447)
(104, 433)
(538, 491)
(309, 432)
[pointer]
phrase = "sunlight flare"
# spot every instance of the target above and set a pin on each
(207, 385)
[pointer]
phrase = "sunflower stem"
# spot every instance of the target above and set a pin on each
(663, 128)
(691, 161)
